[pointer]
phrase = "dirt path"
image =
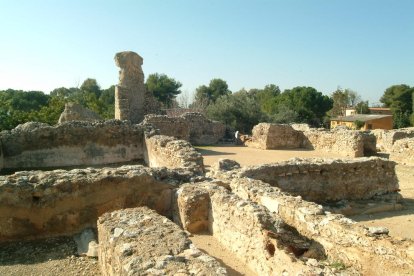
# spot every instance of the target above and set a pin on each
(208, 244)
(400, 223)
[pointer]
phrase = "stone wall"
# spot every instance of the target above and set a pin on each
(256, 237)
(403, 151)
(301, 127)
(336, 236)
(202, 130)
(275, 136)
(35, 204)
(347, 143)
(165, 151)
(387, 138)
(166, 250)
(343, 142)
(36, 145)
(326, 180)
(76, 112)
(176, 127)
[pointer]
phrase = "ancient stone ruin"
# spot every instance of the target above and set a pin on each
(76, 112)
(347, 143)
(191, 126)
(145, 193)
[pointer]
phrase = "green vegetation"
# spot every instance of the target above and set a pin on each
(240, 110)
(359, 124)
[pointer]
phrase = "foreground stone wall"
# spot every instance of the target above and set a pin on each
(275, 136)
(387, 138)
(339, 238)
(36, 145)
(176, 127)
(140, 242)
(325, 180)
(403, 151)
(256, 237)
(165, 151)
(39, 204)
(76, 112)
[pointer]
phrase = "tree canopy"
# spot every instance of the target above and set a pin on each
(164, 89)
(399, 98)
(206, 95)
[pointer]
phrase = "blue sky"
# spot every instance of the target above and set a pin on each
(366, 46)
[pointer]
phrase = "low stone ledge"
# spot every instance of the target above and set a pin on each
(327, 180)
(403, 151)
(340, 238)
(39, 204)
(165, 151)
(140, 242)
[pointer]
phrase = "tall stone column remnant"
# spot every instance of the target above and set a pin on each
(130, 91)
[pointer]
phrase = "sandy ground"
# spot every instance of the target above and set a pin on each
(400, 223)
(208, 244)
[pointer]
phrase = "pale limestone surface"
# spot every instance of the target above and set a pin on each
(130, 91)
(165, 151)
(387, 138)
(275, 136)
(339, 237)
(176, 127)
(35, 204)
(75, 143)
(327, 180)
(141, 242)
(76, 112)
(402, 151)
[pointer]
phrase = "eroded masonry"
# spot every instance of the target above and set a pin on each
(144, 192)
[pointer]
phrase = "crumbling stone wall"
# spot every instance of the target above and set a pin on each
(165, 151)
(403, 151)
(35, 204)
(176, 127)
(387, 138)
(339, 238)
(202, 130)
(347, 143)
(166, 249)
(76, 112)
(275, 136)
(325, 180)
(36, 145)
(301, 127)
(130, 91)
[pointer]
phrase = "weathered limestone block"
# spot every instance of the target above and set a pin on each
(36, 145)
(35, 204)
(140, 242)
(326, 180)
(202, 130)
(403, 151)
(76, 112)
(348, 143)
(224, 164)
(387, 138)
(275, 136)
(301, 127)
(342, 240)
(255, 236)
(165, 151)
(176, 127)
(130, 91)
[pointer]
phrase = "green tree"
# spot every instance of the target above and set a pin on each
(399, 98)
(362, 108)
(309, 104)
(163, 88)
(206, 95)
(239, 110)
(343, 99)
(91, 86)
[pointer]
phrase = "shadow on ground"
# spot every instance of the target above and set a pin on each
(208, 152)
(38, 251)
(408, 205)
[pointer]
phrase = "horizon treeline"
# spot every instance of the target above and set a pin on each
(239, 110)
